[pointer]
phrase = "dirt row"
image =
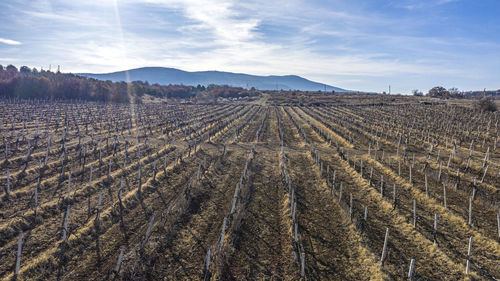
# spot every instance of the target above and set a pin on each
(456, 247)
(131, 182)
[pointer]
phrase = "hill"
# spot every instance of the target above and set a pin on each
(166, 76)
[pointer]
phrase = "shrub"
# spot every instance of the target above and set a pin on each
(486, 104)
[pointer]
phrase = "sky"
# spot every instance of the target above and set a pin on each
(353, 44)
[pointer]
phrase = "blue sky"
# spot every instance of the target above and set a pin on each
(355, 44)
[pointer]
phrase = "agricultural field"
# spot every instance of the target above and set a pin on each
(101, 191)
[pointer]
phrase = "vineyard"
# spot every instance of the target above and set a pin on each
(101, 191)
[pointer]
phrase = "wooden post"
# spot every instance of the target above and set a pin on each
(150, 225)
(486, 157)
(165, 164)
(470, 211)
(119, 262)
(484, 174)
(440, 169)
(207, 260)
(235, 197)
(371, 174)
(435, 222)
(382, 185)
(410, 272)
(223, 233)
(19, 250)
(467, 266)
(154, 171)
(414, 213)
(65, 229)
(411, 175)
(69, 187)
(498, 224)
(109, 171)
(384, 249)
(394, 194)
(302, 264)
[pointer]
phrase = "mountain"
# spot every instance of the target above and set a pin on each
(165, 76)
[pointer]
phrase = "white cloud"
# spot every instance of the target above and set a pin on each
(218, 17)
(9, 41)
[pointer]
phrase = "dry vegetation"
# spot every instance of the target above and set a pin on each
(353, 191)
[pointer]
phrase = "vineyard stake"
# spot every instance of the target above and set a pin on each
(411, 180)
(498, 224)
(371, 174)
(440, 168)
(65, 229)
(484, 174)
(119, 262)
(410, 272)
(340, 192)
(384, 249)
(382, 185)
(223, 233)
(470, 211)
(302, 264)
(467, 266)
(207, 261)
(394, 194)
(19, 250)
(150, 225)
(414, 213)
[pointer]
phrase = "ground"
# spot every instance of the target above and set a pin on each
(265, 190)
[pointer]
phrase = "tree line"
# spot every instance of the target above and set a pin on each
(30, 83)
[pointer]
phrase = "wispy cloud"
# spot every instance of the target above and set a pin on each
(422, 4)
(9, 41)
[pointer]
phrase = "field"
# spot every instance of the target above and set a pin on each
(249, 191)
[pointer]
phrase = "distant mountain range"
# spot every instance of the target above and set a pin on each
(165, 76)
